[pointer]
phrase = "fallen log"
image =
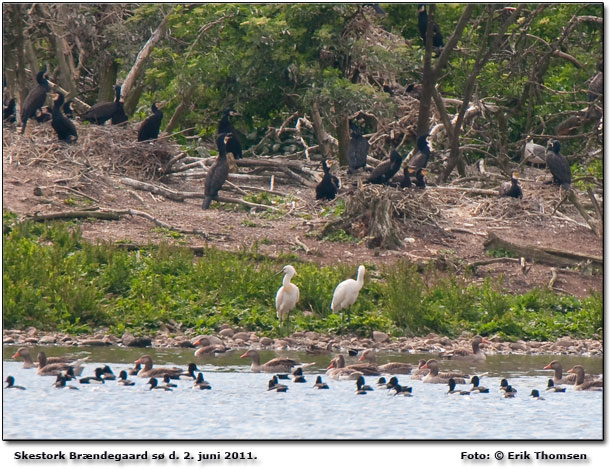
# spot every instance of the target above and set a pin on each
(103, 215)
(552, 256)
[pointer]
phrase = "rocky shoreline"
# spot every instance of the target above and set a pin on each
(312, 342)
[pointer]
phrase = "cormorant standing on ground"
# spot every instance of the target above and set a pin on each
(218, 173)
(35, 98)
(328, 186)
(384, 171)
(357, 149)
(99, 113)
(419, 178)
(405, 179)
(149, 129)
(558, 165)
(437, 38)
(420, 159)
(512, 188)
(225, 127)
(119, 115)
(63, 126)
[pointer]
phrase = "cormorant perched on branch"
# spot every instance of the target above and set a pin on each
(35, 98)
(149, 129)
(63, 126)
(99, 113)
(384, 171)
(437, 38)
(218, 173)
(421, 157)
(225, 127)
(329, 185)
(558, 165)
(9, 111)
(512, 188)
(357, 149)
(69, 109)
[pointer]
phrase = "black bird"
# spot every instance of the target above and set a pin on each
(149, 129)
(274, 385)
(512, 188)
(550, 387)
(357, 149)
(384, 171)
(93, 379)
(69, 109)
(422, 155)
(200, 383)
(504, 385)
(107, 373)
(381, 382)
(509, 391)
(35, 98)
(190, 373)
(419, 178)
(123, 381)
(10, 384)
(452, 389)
(64, 127)
(360, 384)
(319, 384)
(437, 38)
(225, 127)
(99, 113)
(414, 90)
(387, 89)
(43, 114)
(558, 165)
(398, 389)
(9, 112)
(475, 386)
(218, 173)
(404, 180)
(536, 395)
(60, 382)
(298, 376)
(166, 382)
(328, 186)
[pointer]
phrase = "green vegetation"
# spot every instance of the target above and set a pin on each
(52, 279)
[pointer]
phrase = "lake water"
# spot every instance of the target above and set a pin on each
(240, 407)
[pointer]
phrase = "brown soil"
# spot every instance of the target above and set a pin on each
(448, 227)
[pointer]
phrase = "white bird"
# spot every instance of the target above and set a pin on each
(346, 293)
(288, 294)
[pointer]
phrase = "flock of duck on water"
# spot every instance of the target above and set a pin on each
(160, 378)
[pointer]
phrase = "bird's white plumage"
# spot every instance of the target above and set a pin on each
(347, 292)
(288, 294)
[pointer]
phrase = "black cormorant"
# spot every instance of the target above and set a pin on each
(558, 165)
(405, 179)
(218, 173)
(149, 129)
(437, 38)
(9, 111)
(357, 149)
(419, 178)
(421, 157)
(225, 127)
(414, 90)
(35, 98)
(99, 113)
(69, 109)
(63, 126)
(328, 186)
(512, 188)
(119, 115)
(384, 171)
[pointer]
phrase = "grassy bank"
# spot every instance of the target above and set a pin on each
(54, 280)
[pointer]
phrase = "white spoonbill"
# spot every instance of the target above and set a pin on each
(346, 293)
(288, 294)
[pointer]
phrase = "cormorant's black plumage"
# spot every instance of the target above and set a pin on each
(405, 179)
(225, 127)
(357, 149)
(419, 179)
(437, 38)
(35, 98)
(558, 165)
(218, 173)
(420, 159)
(9, 111)
(63, 126)
(512, 188)
(43, 114)
(149, 129)
(68, 109)
(328, 186)
(384, 171)
(99, 113)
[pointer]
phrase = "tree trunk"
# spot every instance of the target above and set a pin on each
(108, 74)
(138, 66)
(343, 137)
(318, 127)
